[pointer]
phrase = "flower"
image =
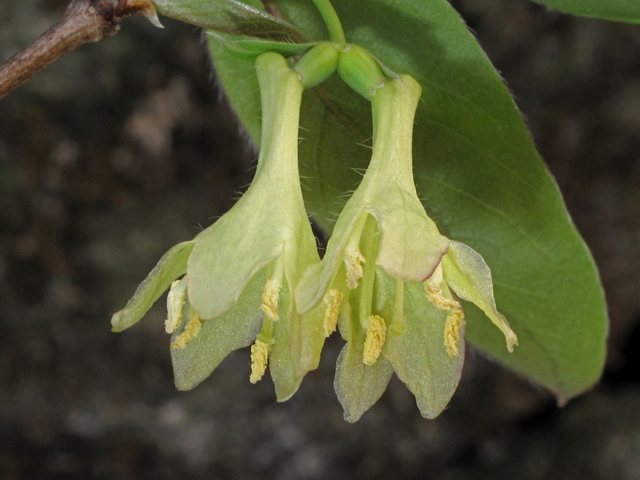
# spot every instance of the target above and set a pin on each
(242, 270)
(395, 273)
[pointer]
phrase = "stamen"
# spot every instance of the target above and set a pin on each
(271, 292)
(353, 260)
(191, 331)
(433, 290)
(259, 359)
(333, 298)
(376, 335)
(175, 302)
(455, 321)
(397, 325)
(271, 298)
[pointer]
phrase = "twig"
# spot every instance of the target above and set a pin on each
(85, 21)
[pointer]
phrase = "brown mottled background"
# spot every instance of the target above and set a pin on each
(123, 149)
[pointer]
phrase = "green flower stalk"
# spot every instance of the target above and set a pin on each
(241, 271)
(396, 276)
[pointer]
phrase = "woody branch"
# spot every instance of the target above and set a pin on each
(85, 21)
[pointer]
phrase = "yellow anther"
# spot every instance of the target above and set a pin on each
(259, 359)
(175, 301)
(271, 298)
(333, 298)
(376, 335)
(455, 321)
(433, 290)
(436, 297)
(191, 331)
(353, 260)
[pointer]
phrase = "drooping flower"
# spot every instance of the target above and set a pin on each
(241, 271)
(394, 273)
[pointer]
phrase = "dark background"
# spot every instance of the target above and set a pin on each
(123, 149)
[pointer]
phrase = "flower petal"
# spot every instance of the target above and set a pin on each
(298, 344)
(286, 378)
(418, 355)
(411, 245)
(271, 213)
(218, 337)
(230, 252)
(308, 347)
(317, 277)
(172, 265)
(358, 386)
(468, 275)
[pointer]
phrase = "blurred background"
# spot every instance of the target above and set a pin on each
(124, 148)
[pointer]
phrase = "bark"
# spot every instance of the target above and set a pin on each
(85, 21)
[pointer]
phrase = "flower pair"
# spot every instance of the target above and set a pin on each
(388, 278)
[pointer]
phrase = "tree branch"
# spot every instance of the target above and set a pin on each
(85, 21)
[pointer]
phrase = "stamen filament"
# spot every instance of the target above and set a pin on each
(397, 326)
(370, 243)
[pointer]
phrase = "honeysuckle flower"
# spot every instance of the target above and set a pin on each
(242, 270)
(393, 274)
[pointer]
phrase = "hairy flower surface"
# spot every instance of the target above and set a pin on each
(395, 274)
(242, 270)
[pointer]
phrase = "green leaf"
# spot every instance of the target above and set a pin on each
(477, 172)
(251, 48)
(172, 265)
(620, 10)
(232, 17)
(218, 337)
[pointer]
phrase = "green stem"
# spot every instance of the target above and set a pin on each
(330, 17)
